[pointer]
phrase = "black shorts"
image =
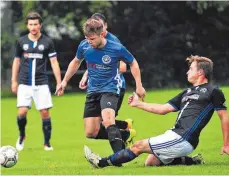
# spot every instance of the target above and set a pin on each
(96, 102)
(121, 96)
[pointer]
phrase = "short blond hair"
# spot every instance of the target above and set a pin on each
(92, 26)
(203, 63)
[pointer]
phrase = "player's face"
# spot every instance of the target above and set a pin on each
(193, 73)
(94, 40)
(34, 26)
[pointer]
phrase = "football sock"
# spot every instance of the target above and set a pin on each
(115, 138)
(122, 156)
(125, 134)
(184, 160)
(47, 129)
(21, 121)
(102, 134)
(121, 124)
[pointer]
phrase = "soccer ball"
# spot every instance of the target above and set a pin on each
(8, 156)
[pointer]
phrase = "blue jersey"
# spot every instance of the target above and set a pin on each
(112, 37)
(103, 65)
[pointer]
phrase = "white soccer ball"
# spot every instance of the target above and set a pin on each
(8, 156)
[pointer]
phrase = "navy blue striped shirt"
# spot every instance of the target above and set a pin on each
(33, 59)
(196, 106)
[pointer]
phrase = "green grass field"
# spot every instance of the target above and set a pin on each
(68, 140)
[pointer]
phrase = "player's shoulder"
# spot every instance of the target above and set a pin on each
(23, 38)
(112, 37)
(114, 45)
(46, 38)
(84, 42)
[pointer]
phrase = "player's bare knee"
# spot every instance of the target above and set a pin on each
(90, 135)
(44, 113)
(137, 148)
(152, 161)
(22, 112)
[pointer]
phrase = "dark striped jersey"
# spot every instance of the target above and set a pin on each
(33, 59)
(196, 106)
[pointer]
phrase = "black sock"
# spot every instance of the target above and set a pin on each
(122, 156)
(47, 129)
(121, 124)
(21, 121)
(125, 134)
(115, 138)
(184, 160)
(102, 134)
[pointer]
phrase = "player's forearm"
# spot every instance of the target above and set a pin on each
(56, 71)
(135, 70)
(85, 75)
(151, 107)
(72, 69)
(225, 129)
(15, 70)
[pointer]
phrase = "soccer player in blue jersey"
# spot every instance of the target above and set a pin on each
(29, 78)
(196, 106)
(102, 57)
(125, 126)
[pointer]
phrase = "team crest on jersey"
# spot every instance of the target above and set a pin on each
(41, 47)
(106, 59)
(25, 47)
(203, 90)
(188, 90)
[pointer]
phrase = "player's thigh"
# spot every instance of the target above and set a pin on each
(42, 97)
(168, 146)
(24, 96)
(152, 160)
(141, 146)
(92, 126)
(108, 105)
(120, 100)
(92, 106)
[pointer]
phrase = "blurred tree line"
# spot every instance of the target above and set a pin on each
(159, 34)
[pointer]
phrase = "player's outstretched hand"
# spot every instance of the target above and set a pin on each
(225, 149)
(133, 100)
(14, 87)
(141, 92)
(60, 88)
(83, 83)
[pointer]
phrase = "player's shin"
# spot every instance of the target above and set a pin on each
(122, 156)
(21, 121)
(115, 138)
(47, 129)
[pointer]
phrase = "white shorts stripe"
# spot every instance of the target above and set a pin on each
(168, 146)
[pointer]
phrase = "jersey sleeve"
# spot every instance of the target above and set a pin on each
(176, 101)
(218, 100)
(125, 55)
(51, 50)
(18, 50)
(79, 52)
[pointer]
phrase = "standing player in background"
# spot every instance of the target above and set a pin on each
(102, 57)
(29, 78)
(128, 123)
(196, 106)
